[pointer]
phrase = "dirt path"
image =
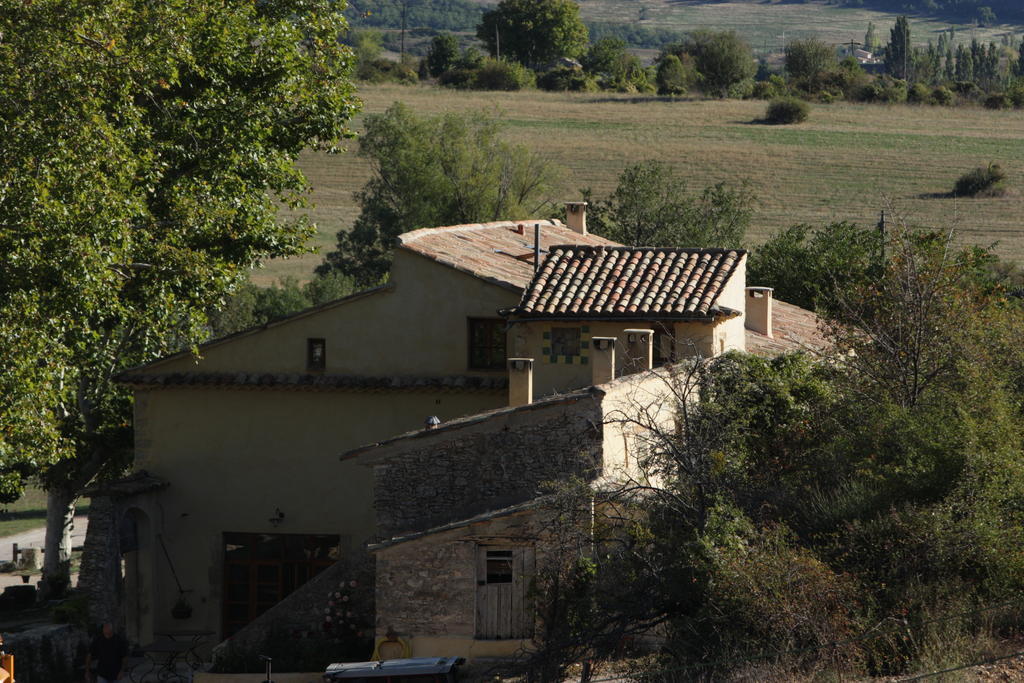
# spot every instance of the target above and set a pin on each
(35, 539)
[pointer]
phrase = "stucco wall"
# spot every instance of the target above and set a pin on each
(504, 460)
(416, 326)
(235, 457)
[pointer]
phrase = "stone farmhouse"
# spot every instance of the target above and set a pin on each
(520, 338)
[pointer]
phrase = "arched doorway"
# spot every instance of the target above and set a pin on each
(136, 541)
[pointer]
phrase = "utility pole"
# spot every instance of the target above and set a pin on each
(405, 7)
(881, 233)
(497, 42)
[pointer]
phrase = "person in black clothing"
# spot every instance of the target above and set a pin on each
(108, 652)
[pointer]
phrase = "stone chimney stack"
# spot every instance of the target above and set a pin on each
(602, 360)
(639, 351)
(520, 382)
(759, 310)
(576, 216)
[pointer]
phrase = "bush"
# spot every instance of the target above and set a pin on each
(566, 79)
(459, 77)
(943, 96)
(772, 87)
(498, 74)
(785, 110)
(982, 181)
(919, 94)
(386, 71)
(884, 90)
(1016, 94)
(998, 101)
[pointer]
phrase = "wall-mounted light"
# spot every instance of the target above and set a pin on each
(277, 518)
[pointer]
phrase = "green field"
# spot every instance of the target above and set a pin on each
(29, 512)
(848, 162)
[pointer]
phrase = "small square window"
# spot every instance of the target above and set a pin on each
(316, 354)
(499, 566)
(565, 341)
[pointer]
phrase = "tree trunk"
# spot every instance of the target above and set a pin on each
(60, 514)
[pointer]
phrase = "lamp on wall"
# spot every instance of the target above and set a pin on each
(277, 518)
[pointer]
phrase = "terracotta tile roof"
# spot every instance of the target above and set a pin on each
(627, 282)
(309, 382)
(496, 252)
(793, 329)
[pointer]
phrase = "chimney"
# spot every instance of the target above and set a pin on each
(759, 310)
(639, 351)
(576, 216)
(520, 382)
(602, 360)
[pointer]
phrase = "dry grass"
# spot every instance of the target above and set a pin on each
(848, 162)
(764, 23)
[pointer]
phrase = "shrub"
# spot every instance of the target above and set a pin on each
(982, 181)
(1016, 94)
(967, 89)
(885, 90)
(565, 79)
(998, 101)
(943, 95)
(386, 71)
(772, 87)
(498, 74)
(786, 110)
(459, 77)
(919, 94)
(742, 90)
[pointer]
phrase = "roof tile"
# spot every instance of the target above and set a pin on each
(494, 251)
(583, 281)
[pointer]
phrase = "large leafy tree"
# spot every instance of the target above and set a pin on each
(146, 148)
(651, 206)
(722, 59)
(534, 31)
(430, 171)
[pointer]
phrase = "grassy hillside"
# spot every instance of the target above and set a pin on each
(847, 162)
(764, 24)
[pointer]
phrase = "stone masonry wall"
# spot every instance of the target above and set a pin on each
(427, 586)
(488, 466)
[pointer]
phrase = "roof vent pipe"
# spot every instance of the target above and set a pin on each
(536, 247)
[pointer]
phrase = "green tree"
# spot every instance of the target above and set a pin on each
(898, 57)
(603, 56)
(872, 43)
(651, 207)
(430, 171)
(805, 265)
(250, 305)
(534, 32)
(722, 59)
(672, 77)
(442, 54)
(806, 59)
(148, 147)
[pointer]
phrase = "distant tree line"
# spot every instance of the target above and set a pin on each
(986, 12)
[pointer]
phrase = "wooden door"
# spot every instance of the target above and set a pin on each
(502, 604)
